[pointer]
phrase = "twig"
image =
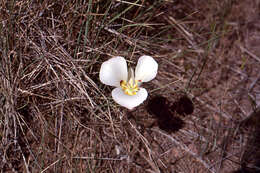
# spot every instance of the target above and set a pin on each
(129, 40)
(98, 158)
(185, 148)
(254, 114)
(188, 36)
(212, 108)
(51, 164)
(131, 3)
(249, 53)
(253, 83)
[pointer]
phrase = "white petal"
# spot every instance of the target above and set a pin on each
(129, 101)
(113, 71)
(146, 69)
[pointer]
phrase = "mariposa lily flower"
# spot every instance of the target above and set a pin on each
(128, 93)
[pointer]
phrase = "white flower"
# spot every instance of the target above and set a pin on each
(128, 93)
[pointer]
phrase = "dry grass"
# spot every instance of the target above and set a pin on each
(56, 116)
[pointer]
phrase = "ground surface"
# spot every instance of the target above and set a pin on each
(56, 116)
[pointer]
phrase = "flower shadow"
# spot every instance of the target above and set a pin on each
(183, 106)
(165, 113)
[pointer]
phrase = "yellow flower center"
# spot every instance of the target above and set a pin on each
(130, 87)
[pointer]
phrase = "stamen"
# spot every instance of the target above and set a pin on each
(130, 87)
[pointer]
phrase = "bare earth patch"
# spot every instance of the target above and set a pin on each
(202, 113)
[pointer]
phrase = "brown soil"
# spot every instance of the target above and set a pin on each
(203, 107)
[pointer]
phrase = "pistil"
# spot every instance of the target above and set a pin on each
(130, 87)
